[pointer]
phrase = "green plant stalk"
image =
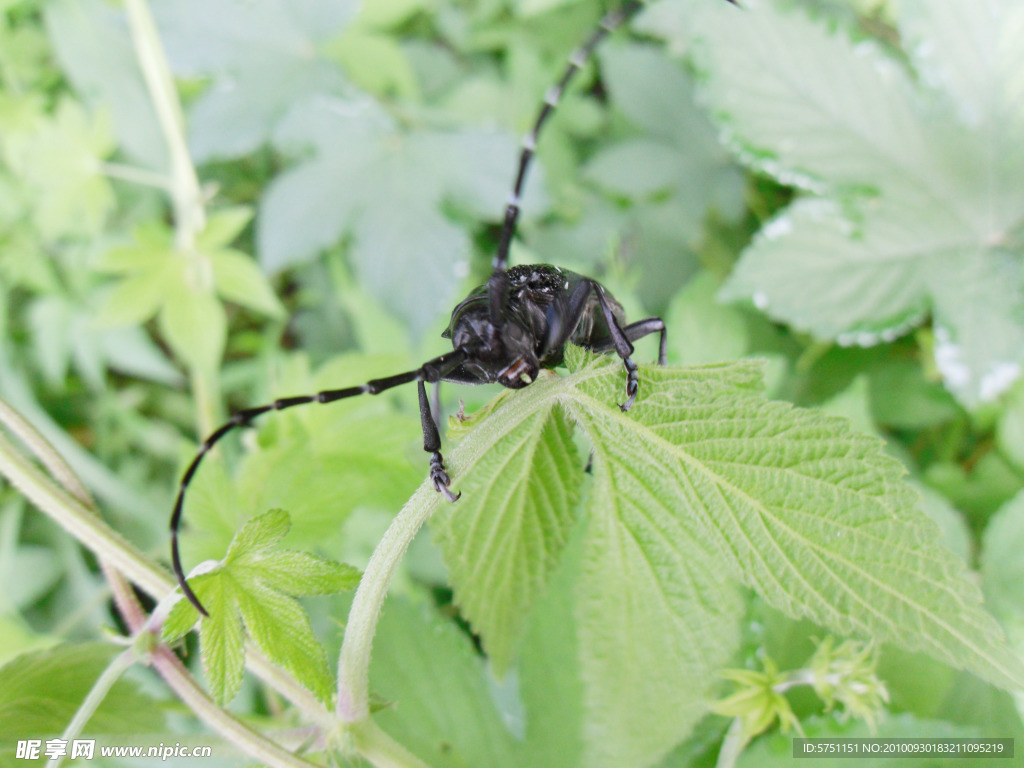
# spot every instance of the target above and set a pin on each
(117, 667)
(374, 745)
(249, 741)
(353, 705)
(353, 701)
(91, 531)
(732, 745)
(81, 522)
(186, 194)
(185, 191)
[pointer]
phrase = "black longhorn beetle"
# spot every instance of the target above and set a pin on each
(505, 331)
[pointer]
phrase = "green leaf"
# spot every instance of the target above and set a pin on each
(299, 573)
(40, 692)
(223, 226)
(549, 674)
(504, 538)
(281, 629)
(256, 584)
(1002, 567)
(376, 63)
(386, 187)
(133, 300)
(444, 711)
(970, 57)
(60, 166)
(240, 280)
(221, 639)
(195, 326)
(703, 482)
(916, 208)
(263, 58)
(703, 329)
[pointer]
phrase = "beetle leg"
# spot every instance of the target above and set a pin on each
(432, 445)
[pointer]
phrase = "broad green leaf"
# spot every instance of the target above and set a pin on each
(256, 584)
(386, 187)
(970, 53)
(647, 572)
(504, 538)
(443, 710)
(263, 58)
(703, 330)
(705, 481)
(1002, 568)
(41, 690)
(549, 671)
(919, 195)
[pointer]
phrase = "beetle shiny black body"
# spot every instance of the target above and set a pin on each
(547, 307)
(504, 331)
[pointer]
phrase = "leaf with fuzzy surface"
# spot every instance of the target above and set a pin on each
(256, 584)
(916, 183)
(705, 482)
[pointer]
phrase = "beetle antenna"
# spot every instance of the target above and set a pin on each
(577, 59)
(431, 371)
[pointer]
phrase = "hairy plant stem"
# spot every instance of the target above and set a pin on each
(89, 529)
(353, 705)
(117, 667)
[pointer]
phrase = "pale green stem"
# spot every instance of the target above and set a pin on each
(78, 520)
(379, 749)
(202, 386)
(130, 173)
(186, 195)
(732, 745)
(81, 522)
(248, 740)
(117, 667)
(91, 531)
(354, 662)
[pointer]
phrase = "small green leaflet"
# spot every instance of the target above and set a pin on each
(703, 484)
(181, 288)
(257, 583)
(387, 187)
(916, 179)
(57, 158)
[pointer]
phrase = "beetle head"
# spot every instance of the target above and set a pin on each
(501, 352)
